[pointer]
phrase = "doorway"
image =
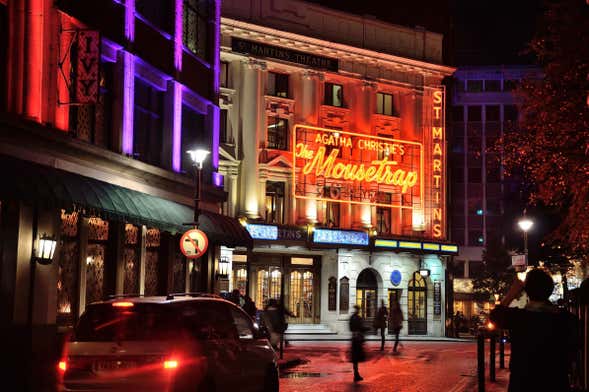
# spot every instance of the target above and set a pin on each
(366, 295)
(301, 297)
(417, 305)
(394, 295)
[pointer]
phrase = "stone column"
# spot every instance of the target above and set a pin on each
(251, 125)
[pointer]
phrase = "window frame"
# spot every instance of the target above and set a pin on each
(382, 108)
(279, 79)
(329, 97)
(272, 122)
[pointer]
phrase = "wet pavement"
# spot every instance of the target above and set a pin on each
(421, 367)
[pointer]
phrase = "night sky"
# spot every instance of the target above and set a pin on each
(477, 32)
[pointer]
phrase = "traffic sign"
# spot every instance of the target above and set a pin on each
(519, 260)
(194, 243)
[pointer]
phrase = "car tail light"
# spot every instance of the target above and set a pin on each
(62, 366)
(122, 304)
(171, 364)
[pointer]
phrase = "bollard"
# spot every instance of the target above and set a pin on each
(502, 351)
(493, 338)
(481, 361)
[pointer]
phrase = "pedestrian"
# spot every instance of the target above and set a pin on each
(457, 323)
(544, 338)
(380, 322)
(272, 321)
(249, 306)
(284, 312)
(358, 329)
(396, 322)
(236, 298)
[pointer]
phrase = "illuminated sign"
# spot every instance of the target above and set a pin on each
(87, 72)
(438, 160)
(416, 245)
(262, 232)
(341, 237)
(346, 167)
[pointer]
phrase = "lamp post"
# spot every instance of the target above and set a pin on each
(525, 224)
(198, 157)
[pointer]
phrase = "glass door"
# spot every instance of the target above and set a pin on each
(301, 298)
(417, 305)
(366, 300)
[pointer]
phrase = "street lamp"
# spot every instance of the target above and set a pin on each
(525, 224)
(198, 157)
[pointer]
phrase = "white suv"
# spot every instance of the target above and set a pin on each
(174, 343)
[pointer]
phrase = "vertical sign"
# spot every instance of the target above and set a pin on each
(87, 66)
(438, 179)
(437, 298)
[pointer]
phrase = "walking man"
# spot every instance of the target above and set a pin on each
(357, 328)
(396, 322)
(380, 322)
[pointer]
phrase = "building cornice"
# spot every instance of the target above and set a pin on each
(329, 49)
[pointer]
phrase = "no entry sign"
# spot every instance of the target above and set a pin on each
(194, 243)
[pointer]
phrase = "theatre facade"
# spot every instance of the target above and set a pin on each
(333, 152)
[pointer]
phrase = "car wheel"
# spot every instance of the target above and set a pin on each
(271, 382)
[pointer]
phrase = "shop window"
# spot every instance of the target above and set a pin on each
(240, 279)
(195, 26)
(223, 126)
(384, 104)
(344, 295)
(474, 113)
(274, 202)
(492, 85)
(131, 253)
(277, 84)
(224, 74)
(474, 86)
(277, 133)
(154, 272)
(67, 270)
(158, 13)
(331, 294)
(98, 234)
(193, 134)
(147, 123)
(334, 95)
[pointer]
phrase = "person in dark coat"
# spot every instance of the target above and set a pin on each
(358, 329)
(249, 306)
(380, 322)
(544, 338)
(396, 322)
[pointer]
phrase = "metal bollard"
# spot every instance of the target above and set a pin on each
(481, 361)
(492, 346)
(502, 350)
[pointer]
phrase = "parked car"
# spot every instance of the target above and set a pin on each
(173, 343)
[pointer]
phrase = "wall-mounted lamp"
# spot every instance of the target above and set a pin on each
(424, 272)
(223, 270)
(46, 250)
(243, 221)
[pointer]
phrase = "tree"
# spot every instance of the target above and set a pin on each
(551, 144)
(496, 276)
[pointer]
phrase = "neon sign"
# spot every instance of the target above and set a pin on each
(437, 162)
(346, 167)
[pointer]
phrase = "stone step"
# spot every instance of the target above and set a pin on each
(308, 329)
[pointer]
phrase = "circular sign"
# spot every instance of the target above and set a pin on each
(194, 243)
(396, 277)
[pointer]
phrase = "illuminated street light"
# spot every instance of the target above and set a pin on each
(525, 224)
(198, 156)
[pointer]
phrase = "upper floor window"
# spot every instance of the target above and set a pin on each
(277, 133)
(332, 212)
(509, 84)
(148, 123)
(492, 85)
(474, 86)
(224, 76)
(474, 114)
(384, 104)
(223, 126)
(278, 84)
(193, 135)
(458, 113)
(158, 13)
(195, 26)
(492, 113)
(334, 94)
(383, 215)
(274, 202)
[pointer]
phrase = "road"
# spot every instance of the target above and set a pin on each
(421, 367)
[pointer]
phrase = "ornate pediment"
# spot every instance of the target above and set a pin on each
(281, 107)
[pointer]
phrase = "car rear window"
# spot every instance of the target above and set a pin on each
(104, 322)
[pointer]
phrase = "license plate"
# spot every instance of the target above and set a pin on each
(102, 366)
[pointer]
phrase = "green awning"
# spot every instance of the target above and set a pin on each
(48, 187)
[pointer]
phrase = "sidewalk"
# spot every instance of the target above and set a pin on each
(348, 336)
(502, 377)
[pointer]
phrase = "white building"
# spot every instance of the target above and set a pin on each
(310, 98)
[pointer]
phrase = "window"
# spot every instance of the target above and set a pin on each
(242, 323)
(474, 86)
(383, 215)
(148, 123)
(195, 26)
(223, 126)
(492, 85)
(474, 175)
(158, 13)
(384, 104)
(458, 113)
(510, 84)
(240, 279)
(274, 202)
(224, 76)
(332, 213)
(277, 133)
(492, 113)
(277, 84)
(474, 113)
(193, 135)
(510, 113)
(334, 95)
(457, 145)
